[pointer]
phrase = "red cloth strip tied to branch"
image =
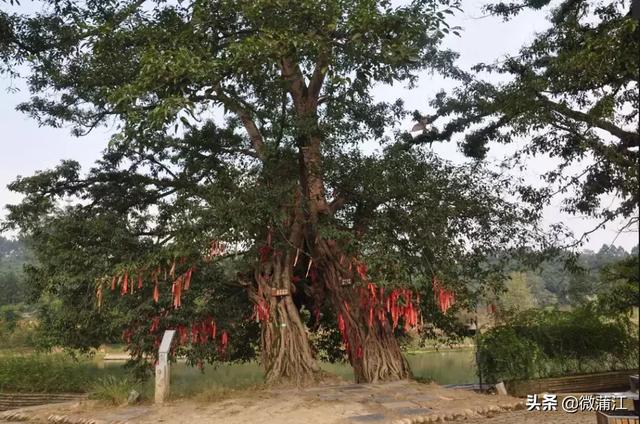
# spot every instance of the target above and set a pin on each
(125, 283)
(99, 295)
(361, 269)
(393, 308)
(224, 341)
(172, 271)
(194, 334)
(265, 253)
(401, 304)
(216, 248)
(156, 289)
(176, 290)
(204, 330)
(155, 324)
(198, 332)
(179, 285)
(444, 298)
(409, 312)
(261, 310)
(187, 278)
(342, 327)
(126, 335)
(183, 335)
(212, 328)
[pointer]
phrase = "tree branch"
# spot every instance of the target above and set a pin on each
(337, 204)
(629, 139)
(254, 133)
(234, 105)
(297, 88)
(317, 78)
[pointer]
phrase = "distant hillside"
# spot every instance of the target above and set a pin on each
(553, 284)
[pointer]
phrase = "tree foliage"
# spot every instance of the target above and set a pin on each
(571, 94)
(620, 288)
(538, 344)
(12, 286)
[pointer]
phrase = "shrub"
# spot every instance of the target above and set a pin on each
(17, 329)
(114, 390)
(549, 343)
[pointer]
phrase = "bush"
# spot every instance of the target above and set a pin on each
(113, 390)
(17, 329)
(543, 343)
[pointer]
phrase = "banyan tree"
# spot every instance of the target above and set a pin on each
(254, 185)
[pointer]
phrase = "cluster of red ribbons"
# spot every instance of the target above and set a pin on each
(200, 332)
(266, 250)
(444, 298)
(343, 328)
(179, 284)
(400, 304)
(127, 283)
(216, 248)
(261, 310)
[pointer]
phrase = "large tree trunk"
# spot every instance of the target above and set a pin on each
(372, 348)
(286, 353)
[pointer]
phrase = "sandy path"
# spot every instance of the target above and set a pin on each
(404, 402)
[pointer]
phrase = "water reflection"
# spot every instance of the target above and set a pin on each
(445, 367)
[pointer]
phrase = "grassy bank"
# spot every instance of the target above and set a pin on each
(111, 382)
(49, 373)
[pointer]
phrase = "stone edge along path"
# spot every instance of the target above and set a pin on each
(388, 405)
(491, 409)
(459, 415)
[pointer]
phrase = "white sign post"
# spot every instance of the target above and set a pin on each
(163, 369)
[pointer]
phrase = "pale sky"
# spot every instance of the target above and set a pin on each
(25, 147)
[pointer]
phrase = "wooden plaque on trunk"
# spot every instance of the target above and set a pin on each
(279, 292)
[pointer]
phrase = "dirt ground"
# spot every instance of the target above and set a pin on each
(400, 402)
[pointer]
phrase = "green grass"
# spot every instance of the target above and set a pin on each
(49, 373)
(216, 380)
(111, 382)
